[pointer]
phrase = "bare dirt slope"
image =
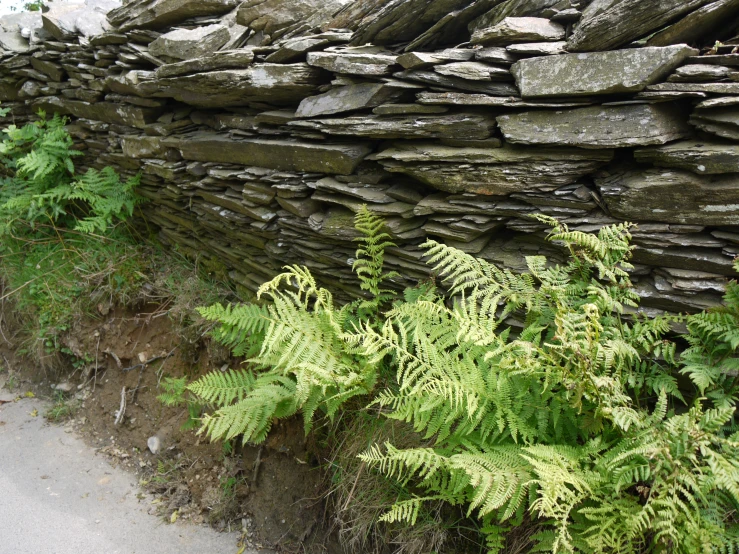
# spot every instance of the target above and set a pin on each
(273, 493)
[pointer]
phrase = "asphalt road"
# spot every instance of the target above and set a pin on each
(58, 497)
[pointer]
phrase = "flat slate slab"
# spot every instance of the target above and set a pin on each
(606, 24)
(109, 112)
(155, 14)
(418, 60)
(466, 99)
(714, 88)
(519, 29)
(530, 49)
(495, 54)
(353, 63)
(474, 71)
(295, 49)
(186, 44)
(284, 155)
(492, 171)
(443, 81)
(619, 71)
(278, 84)
(456, 126)
(346, 99)
(672, 196)
(723, 122)
(700, 72)
(403, 109)
(227, 59)
(598, 126)
(703, 157)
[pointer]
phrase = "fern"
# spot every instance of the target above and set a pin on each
(40, 186)
(369, 262)
(554, 419)
(174, 391)
(298, 345)
(712, 359)
(568, 422)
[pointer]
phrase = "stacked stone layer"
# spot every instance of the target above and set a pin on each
(260, 127)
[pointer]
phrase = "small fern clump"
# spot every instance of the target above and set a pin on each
(39, 185)
(62, 249)
(297, 345)
(712, 360)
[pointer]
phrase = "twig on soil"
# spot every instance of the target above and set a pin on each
(2, 319)
(150, 360)
(138, 384)
(113, 355)
(354, 487)
(122, 410)
(97, 350)
(257, 462)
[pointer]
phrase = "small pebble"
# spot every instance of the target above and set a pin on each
(154, 444)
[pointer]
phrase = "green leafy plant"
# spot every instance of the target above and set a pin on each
(546, 420)
(297, 346)
(712, 360)
(175, 394)
(62, 249)
(570, 422)
(62, 409)
(40, 185)
(174, 391)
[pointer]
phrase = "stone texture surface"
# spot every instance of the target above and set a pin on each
(496, 11)
(496, 171)
(713, 88)
(272, 154)
(345, 99)
(474, 71)
(155, 14)
(723, 122)
(598, 126)
(495, 54)
(279, 84)
(519, 29)
(672, 196)
(185, 44)
(353, 62)
(108, 112)
(403, 109)
(437, 79)
(700, 72)
(278, 16)
(608, 24)
(620, 71)
(86, 18)
(229, 59)
(295, 49)
(533, 49)
(19, 30)
(252, 158)
(703, 157)
(697, 24)
(392, 21)
(458, 126)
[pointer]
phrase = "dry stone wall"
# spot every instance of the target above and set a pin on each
(260, 126)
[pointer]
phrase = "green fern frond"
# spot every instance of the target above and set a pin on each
(223, 388)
